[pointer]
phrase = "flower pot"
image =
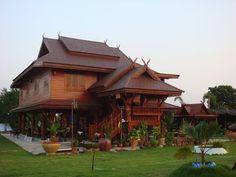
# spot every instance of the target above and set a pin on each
(133, 144)
(104, 144)
(162, 141)
(51, 147)
(74, 150)
(231, 135)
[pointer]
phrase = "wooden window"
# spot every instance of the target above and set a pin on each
(74, 82)
(21, 94)
(36, 86)
(45, 85)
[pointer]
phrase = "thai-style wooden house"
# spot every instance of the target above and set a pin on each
(193, 113)
(90, 85)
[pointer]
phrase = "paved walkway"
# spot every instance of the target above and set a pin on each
(33, 146)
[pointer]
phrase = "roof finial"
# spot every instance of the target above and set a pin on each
(144, 62)
(148, 61)
(59, 35)
(135, 60)
(118, 46)
(43, 35)
(105, 41)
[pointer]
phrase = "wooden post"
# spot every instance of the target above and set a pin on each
(23, 123)
(42, 127)
(20, 122)
(33, 124)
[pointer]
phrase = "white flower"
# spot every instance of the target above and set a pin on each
(97, 134)
(79, 132)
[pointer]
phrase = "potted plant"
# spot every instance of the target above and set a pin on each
(154, 134)
(52, 145)
(134, 138)
(74, 147)
(143, 132)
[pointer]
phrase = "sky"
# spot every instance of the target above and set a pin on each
(193, 38)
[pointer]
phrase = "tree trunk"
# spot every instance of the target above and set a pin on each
(203, 156)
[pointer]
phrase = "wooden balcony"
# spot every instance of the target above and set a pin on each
(145, 111)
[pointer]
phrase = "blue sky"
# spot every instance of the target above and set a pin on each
(196, 39)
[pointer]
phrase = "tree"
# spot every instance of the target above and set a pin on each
(8, 101)
(201, 134)
(221, 97)
(180, 99)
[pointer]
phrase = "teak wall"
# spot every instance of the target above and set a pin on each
(35, 89)
(59, 89)
(52, 85)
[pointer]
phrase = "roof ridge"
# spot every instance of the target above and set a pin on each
(84, 40)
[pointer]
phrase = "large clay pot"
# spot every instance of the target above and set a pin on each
(133, 144)
(104, 144)
(231, 135)
(162, 141)
(51, 147)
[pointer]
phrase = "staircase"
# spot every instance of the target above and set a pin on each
(110, 122)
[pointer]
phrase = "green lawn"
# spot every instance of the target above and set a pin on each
(156, 162)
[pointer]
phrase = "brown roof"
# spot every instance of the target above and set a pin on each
(82, 55)
(198, 108)
(58, 104)
(89, 47)
(169, 106)
(198, 111)
(140, 78)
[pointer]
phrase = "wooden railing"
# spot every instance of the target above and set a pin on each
(111, 122)
(139, 110)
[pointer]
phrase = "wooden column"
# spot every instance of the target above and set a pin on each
(19, 122)
(23, 123)
(128, 100)
(33, 124)
(42, 134)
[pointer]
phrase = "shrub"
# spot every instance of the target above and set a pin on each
(183, 153)
(219, 145)
(188, 171)
(169, 138)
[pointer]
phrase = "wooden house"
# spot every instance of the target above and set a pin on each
(194, 113)
(89, 86)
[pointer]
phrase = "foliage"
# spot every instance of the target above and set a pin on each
(221, 97)
(8, 101)
(152, 162)
(219, 145)
(169, 125)
(180, 99)
(170, 122)
(183, 153)
(188, 171)
(201, 134)
(143, 129)
(134, 134)
(169, 138)
(54, 129)
(155, 132)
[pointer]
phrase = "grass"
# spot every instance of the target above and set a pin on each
(155, 162)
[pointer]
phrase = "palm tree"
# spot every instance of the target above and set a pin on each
(201, 134)
(180, 99)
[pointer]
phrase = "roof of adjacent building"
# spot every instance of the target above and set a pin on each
(198, 110)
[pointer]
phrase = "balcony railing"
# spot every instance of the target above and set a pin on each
(145, 111)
